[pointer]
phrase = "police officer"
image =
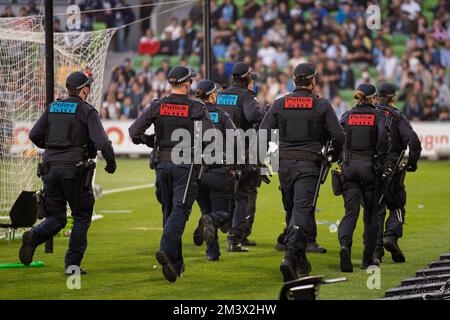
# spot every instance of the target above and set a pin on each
(305, 123)
(216, 188)
(240, 103)
(169, 114)
(70, 131)
(402, 136)
(367, 145)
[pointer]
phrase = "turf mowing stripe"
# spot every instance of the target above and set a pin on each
(144, 186)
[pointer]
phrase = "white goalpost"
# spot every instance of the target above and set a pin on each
(23, 95)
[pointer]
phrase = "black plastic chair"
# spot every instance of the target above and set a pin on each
(23, 214)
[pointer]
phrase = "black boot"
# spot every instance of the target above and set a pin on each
(303, 267)
(369, 260)
(288, 267)
(168, 267)
(209, 231)
(235, 247)
(248, 243)
(314, 247)
(281, 242)
(391, 245)
(29, 244)
(346, 258)
(198, 233)
(378, 254)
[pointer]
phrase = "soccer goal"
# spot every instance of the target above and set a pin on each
(23, 94)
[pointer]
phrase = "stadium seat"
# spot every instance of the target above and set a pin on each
(23, 214)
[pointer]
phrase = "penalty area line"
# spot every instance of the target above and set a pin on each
(126, 189)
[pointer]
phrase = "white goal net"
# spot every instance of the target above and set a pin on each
(22, 92)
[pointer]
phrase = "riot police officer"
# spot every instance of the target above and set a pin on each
(240, 103)
(305, 123)
(216, 188)
(70, 131)
(402, 136)
(367, 145)
(174, 190)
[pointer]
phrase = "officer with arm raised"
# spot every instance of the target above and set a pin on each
(367, 145)
(402, 137)
(168, 114)
(240, 103)
(305, 123)
(70, 131)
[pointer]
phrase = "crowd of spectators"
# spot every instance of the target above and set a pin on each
(274, 36)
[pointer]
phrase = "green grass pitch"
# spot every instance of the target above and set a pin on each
(121, 263)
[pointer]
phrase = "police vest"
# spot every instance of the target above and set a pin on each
(362, 132)
(230, 101)
(397, 146)
(171, 116)
(65, 130)
(299, 120)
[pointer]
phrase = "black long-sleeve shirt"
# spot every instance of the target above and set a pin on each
(88, 116)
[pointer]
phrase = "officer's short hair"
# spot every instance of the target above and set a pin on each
(303, 82)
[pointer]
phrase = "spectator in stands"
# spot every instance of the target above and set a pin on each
(387, 67)
(251, 8)
(445, 55)
(7, 13)
(111, 108)
(267, 52)
(335, 48)
(413, 109)
(339, 106)
(129, 110)
(145, 12)
(228, 11)
(172, 31)
(148, 44)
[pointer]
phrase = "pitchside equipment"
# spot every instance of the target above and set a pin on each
(22, 92)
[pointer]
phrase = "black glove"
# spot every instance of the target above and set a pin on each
(111, 166)
(411, 167)
(149, 140)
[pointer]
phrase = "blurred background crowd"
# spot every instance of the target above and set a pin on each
(411, 49)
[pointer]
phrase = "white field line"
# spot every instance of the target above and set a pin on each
(144, 186)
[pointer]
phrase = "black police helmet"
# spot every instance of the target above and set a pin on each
(305, 71)
(242, 70)
(207, 87)
(368, 90)
(387, 90)
(78, 80)
(179, 75)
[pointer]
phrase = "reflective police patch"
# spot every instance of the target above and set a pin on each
(298, 103)
(214, 116)
(63, 107)
(174, 110)
(361, 120)
(230, 100)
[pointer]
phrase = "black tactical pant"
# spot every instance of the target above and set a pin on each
(359, 190)
(171, 181)
(240, 223)
(298, 181)
(251, 210)
(395, 202)
(62, 185)
(215, 197)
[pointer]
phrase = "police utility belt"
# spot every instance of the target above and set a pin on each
(300, 155)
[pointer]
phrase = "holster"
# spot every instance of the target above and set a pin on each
(337, 182)
(42, 169)
(41, 204)
(86, 175)
(154, 158)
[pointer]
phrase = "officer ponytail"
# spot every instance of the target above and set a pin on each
(365, 94)
(201, 94)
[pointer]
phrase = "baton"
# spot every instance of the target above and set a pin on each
(191, 170)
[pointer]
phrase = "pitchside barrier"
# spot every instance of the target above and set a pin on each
(435, 138)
